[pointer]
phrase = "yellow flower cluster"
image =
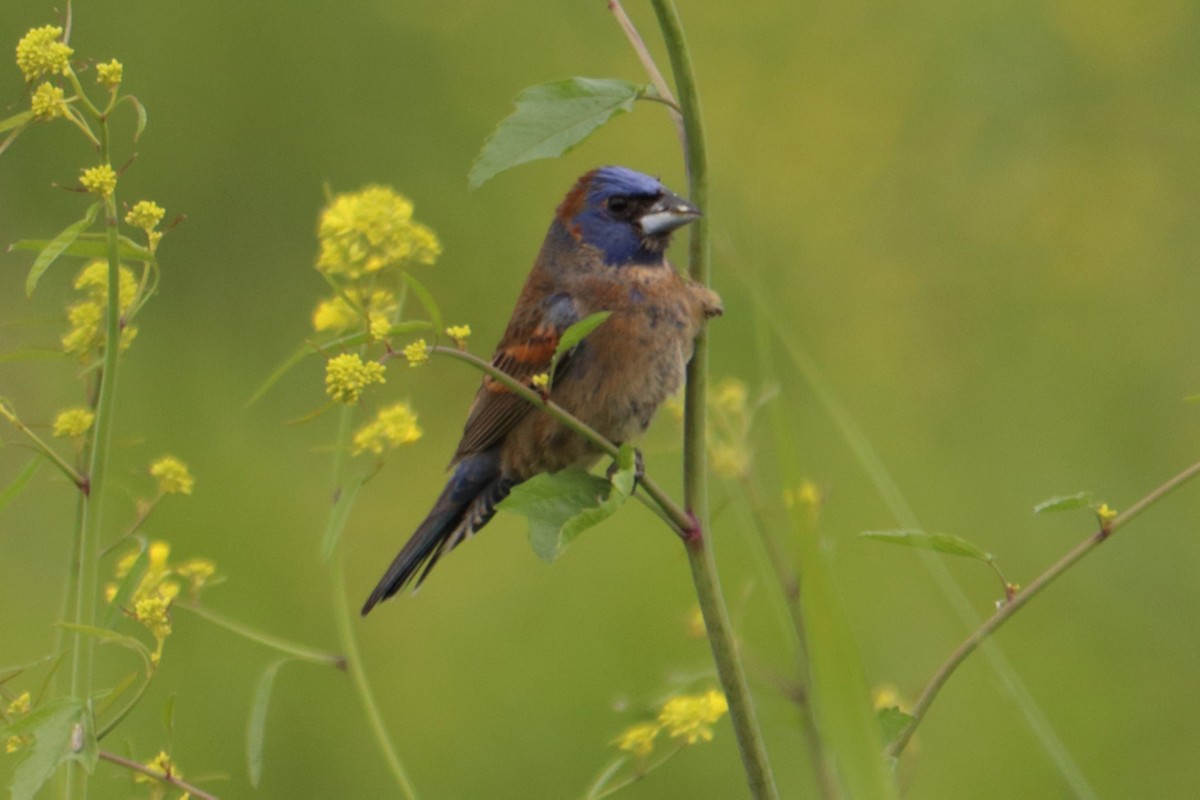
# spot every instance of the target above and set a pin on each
(417, 353)
(346, 376)
(392, 427)
(729, 429)
(47, 102)
(109, 75)
(371, 231)
(806, 494)
(689, 717)
(19, 707)
(337, 315)
(101, 180)
(86, 335)
(145, 214)
(41, 53)
(460, 334)
(73, 422)
(159, 585)
(541, 381)
(162, 765)
(172, 475)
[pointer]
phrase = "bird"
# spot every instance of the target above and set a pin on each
(604, 251)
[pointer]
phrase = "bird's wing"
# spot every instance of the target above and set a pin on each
(525, 351)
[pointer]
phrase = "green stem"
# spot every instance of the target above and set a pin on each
(929, 694)
(41, 446)
(170, 780)
(695, 486)
(344, 622)
(358, 677)
(88, 531)
(300, 651)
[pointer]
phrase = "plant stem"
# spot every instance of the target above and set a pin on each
(171, 780)
(929, 694)
(345, 621)
(87, 547)
(695, 486)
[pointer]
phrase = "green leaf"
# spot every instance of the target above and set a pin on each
(338, 517)
(57, 245)
(1064, 503)
(549, 120)
(575, 334)
(423, 295)
(15, 121)
(141, 116)
(20, 482)
(110, 699)
(128, 585)
(90, 245)
(111, 637)
(941, 542)
(256, 726)
(61, 730)
(562, 505)
(892, 722)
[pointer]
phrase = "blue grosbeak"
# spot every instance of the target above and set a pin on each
(603, 252)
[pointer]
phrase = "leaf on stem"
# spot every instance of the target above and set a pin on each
(90, 245)
(256, 725)
(549, 120)
(62, 731)
(20, 482)
(575, 334)
(941, 542)
(57, 245)
(1067, 502)
(892, 722)
(426, 299)
(562, 505)
(112, 637)
(15, 121)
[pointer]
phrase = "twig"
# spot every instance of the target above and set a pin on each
(164, 777)
(929, 694)
(656, 76)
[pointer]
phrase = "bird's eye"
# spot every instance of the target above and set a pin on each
(618, 205)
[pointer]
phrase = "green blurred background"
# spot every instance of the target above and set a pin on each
(979, 218)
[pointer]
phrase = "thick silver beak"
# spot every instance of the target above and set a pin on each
(670, 212)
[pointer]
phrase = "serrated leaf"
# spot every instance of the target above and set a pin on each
(256, 725)
(61, 730)
(56, 247)
(90, 245)
(562, 505)
(892, 722)
(342, 506)
(1066, 502)
(20, 482)
(15, 121)
(427, 301)
(941, 542)
(549, 120)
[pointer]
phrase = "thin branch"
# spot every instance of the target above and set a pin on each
(656, 76)
(166, 778)
(929, 694)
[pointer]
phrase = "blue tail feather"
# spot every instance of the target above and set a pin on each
(464, 506)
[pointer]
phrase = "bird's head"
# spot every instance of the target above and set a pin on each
(625, 215)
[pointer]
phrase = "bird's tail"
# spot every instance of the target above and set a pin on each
(464, 506)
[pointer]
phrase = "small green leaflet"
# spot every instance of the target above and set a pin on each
(892, 722)
(342, 506)
(562, 505)
(61, 731)
(575, 334)
(90, 245)
(426, 299)
(1064, 503)
(256, 725)
(941, 542)
(20, 482)
(15, 121)
(56, 247)
(549, 120)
